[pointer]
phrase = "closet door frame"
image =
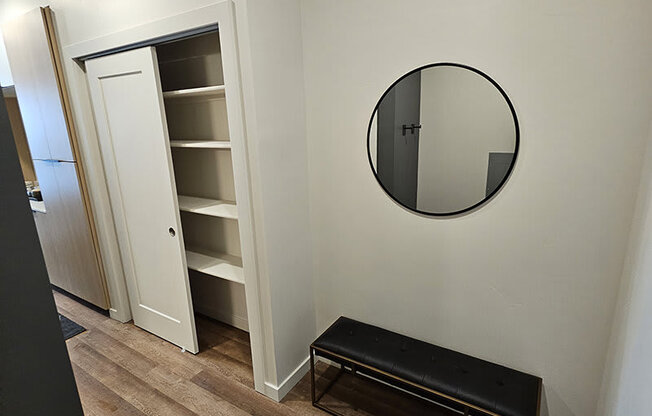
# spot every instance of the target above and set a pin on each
(222, 16)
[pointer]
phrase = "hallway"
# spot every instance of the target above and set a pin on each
(122, 370)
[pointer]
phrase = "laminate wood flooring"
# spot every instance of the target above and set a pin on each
(123, 370)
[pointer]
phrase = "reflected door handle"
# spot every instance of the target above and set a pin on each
(411, 127)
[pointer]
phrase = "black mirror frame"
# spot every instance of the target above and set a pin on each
(511, 166)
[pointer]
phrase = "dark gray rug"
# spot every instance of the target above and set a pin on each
(70, 328)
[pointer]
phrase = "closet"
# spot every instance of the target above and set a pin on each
(163, 118)
(192, 81)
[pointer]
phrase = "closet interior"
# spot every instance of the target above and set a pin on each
(192, 82)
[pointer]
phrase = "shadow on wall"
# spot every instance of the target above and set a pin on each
(560, 409)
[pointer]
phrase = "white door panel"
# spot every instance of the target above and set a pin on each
(132, 130)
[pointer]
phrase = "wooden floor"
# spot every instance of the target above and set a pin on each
(122, 370)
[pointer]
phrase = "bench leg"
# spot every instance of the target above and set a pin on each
(312, 375)
(330, 384)
(313, 393)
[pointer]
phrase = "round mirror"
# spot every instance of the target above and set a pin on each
(443, 139)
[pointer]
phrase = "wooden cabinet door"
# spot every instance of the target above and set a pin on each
(128, 105)
(65, 234)
(32, 66)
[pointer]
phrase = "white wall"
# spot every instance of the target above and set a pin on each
(463, 118)
(83, 20)
(530, 279)
(627, 380)
(270, 41)
(5, 72)
(274, 90)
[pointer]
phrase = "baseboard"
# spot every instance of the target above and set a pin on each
(326, 360)
(229, 319)
(119, 315)
(278, 392)
(77, 299)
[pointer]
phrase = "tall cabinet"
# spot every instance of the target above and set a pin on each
(164, 122)
(65, 226)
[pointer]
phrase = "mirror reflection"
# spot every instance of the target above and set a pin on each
(443, 139)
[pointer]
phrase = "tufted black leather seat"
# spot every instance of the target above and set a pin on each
(483, 384)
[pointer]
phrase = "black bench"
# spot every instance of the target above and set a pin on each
(465, 383)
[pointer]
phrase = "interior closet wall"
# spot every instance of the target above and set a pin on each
(529, 280)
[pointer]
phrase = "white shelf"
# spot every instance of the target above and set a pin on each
(224, 266)
(215, 90)
(201, 144)
(205, 206)
(38, 206)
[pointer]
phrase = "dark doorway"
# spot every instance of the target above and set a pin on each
(498, 167)
(398, 140)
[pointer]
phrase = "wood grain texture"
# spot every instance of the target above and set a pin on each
(64, 234)
(48, 19)
(123, 370)
(72, 258)
(35, 77)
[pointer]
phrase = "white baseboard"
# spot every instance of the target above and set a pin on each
(278, 392)
(326, 360)
(119, 316)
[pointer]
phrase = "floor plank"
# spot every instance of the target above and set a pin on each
(241, 396)
(134, 390)
(123, 370)
(97, 399)
(160, 377)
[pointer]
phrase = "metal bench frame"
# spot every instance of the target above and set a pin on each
(466, 408)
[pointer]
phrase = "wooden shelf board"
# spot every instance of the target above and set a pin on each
(201, 144)
(205, 206)
(214, 90)
(224, 266)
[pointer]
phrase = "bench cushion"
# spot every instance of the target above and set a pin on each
(481, 383)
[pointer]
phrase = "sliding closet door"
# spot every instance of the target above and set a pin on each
(128, 105)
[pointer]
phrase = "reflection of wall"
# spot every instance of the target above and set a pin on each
(530, 279)
(463, 118)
